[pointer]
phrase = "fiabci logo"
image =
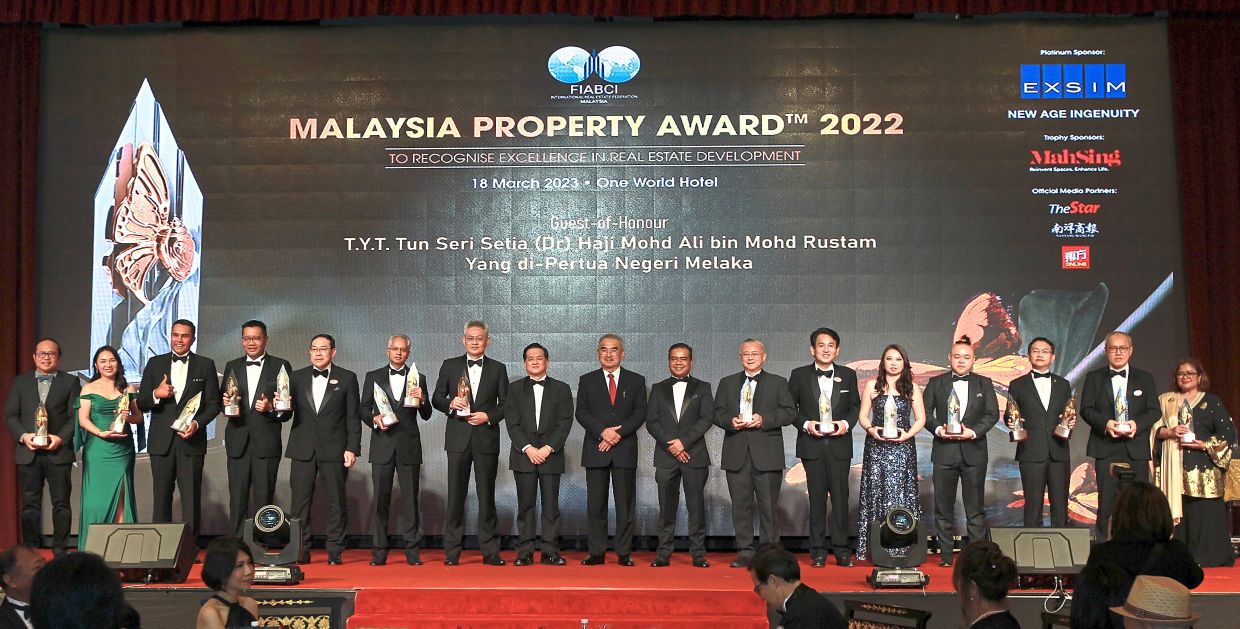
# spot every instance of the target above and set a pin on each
(1074, 80)
(614, 64)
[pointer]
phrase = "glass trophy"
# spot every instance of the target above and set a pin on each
(122, 413)
(954, 427)
(187, 414)
(41, 439)
(1016, 423)
(1063, 429)
(232, 406)
(824, 413)
(1186, 419)
(890, 430)
(411, 386)
(462, 391)
(747, 404)
(1122, 425)
(284, 397)
(384, 406)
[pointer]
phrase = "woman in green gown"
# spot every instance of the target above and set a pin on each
(107, 455)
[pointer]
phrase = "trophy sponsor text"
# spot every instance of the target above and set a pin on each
(1186, 419)
(954, 427)
(1016, 423)
(1063, 429)
(890, 430)
(187, 414)
(40, 439)
(411, 386)
(284, 397)
(384, 406)
(463, 391)
(121, 414)
(232, 406)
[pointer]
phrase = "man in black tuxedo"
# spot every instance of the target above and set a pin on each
(324, 442)
(169, 383)
(752, 407)
(50, 463)
(1043, 456)
(678, 416)
(471, 391)
(18, 565)
(1116, 392)
(611, 406)
(539, 414)
(777, 579)
(396, 448)
(252, 439)
(959, 399)
(827, 406)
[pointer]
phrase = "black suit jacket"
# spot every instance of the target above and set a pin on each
(1040, 422)
(9, 619)
(488, 398)
(259, 431)
(807, 609)
(523, 428)
(200, 377)
(1098, 407)
(23, 403)
(596, 413)
(766, 445)
(401, 443)
(845, 405)
(980, 415)
(696, 412)
(324, 434)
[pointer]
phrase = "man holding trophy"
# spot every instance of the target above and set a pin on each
(392, 398)
(752, 407)
(471, 391)
(252, 437)
(1040, 404)
(960, 408)
(39, 413)
(181, 391)
(1120, 404)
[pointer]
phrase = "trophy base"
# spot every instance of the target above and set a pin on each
(390, 420)
(232, 411)
(282, 406)
(412, 402)
(1187, 438)
(465, 412)
(746, 418)
(1063, 432)
(954, 430)
(1018, 435)
(117, 426)
(889, 433)
(41, 441)
(1123, 429)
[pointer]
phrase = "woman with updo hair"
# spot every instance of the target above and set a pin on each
(982, 578)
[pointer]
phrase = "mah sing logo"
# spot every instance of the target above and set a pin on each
(1073, 80)
(608, 68)
(1083, 160)
(1076, 257)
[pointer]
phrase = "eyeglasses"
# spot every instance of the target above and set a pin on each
(1119, 349)
(320, 350)
(252, 339)
(45, 354)
(398, 349)
(752, 354)
(1041, 351)
(1186, 374)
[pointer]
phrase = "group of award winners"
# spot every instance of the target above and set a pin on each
(1183, 438)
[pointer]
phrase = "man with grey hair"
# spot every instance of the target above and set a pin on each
(752, 407)
(395, 445)
(471, 391)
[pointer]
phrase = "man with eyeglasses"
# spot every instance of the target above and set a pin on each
(752, 407)
(1120, 404)
(252, 439)
(323, 443)
(471, 390)
(777, 580)
(42, 462)
(1043, 457)
(396, 448)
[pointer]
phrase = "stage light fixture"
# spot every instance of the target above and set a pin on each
(269, 529)
(900, 530)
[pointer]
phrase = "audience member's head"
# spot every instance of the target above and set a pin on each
(1141, 514)
(78, 591)
(228, 565)
(1157, 602)
(775, 574)
(982, 570)
(18, 566)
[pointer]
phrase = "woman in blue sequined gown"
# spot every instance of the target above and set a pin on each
(889, 465)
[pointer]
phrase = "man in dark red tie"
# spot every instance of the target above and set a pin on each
(611, 406)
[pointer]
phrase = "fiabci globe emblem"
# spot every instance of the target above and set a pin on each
(614, 64)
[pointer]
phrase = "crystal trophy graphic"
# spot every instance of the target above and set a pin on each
(824, 413)
(121, 414)
(41, 439)
(411, 387)
(187, 414)
(954, 427)
(232, 406)
(384, 406)
(747, 404)
(1064, 429)
(890, 430)
(1186, 419)
(284, 396)
(1122, 425)
(462, 391)
(1016, 423)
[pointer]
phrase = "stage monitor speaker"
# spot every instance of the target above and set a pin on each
(150, 553)
(1044, 550)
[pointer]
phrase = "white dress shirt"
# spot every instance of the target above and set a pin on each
(678, 396)
(318, 387)
(252, 374)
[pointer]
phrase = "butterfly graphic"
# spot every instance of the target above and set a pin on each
(146, 243)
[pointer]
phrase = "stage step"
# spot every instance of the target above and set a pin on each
(556, 607)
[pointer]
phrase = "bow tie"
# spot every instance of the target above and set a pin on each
(22, 610)
(676, 380)
(398, 372)
(753, 379)
(1041, 375)
(44, 377)
(956, 378)
(825, 374)
(537, 383)
(254, 363)
(318, 373)
(180, 359)
(1123, 373)
(474, 363)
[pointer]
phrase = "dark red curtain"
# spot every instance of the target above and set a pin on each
(1205, 52)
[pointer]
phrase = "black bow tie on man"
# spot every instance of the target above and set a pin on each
(398, 372)
(956, 378)
(1041, 375)
(474, 363)
(824, 374)
(180, 359)
(322, 373)
(1123, 373)
(253, 363)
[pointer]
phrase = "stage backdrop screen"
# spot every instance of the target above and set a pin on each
(898, 181)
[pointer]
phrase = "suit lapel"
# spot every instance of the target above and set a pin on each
(329, 389)
(385, 382)
(241, 373)
(308, 387)
(690, 388)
